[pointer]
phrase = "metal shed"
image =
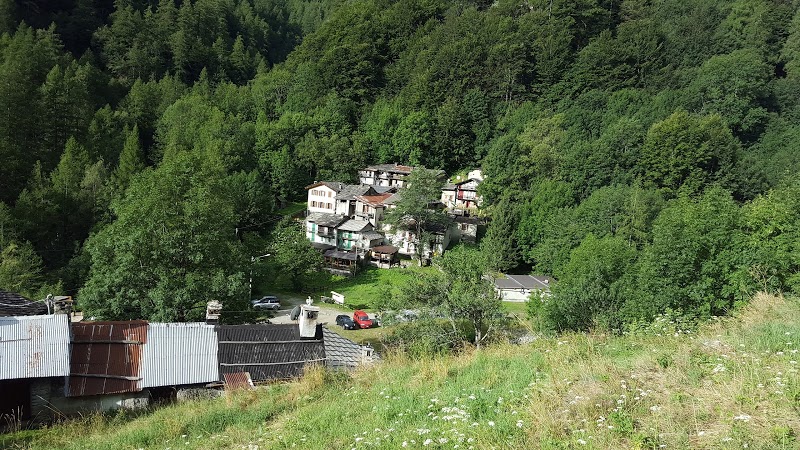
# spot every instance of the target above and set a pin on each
(267, 352)
(179, 354)
(106, 357)
(34, 346)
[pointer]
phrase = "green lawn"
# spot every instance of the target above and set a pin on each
(365, 290)
(731, 384)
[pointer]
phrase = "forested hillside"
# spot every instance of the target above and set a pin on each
(643, 153)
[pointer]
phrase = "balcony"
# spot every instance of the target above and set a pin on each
(326, 233)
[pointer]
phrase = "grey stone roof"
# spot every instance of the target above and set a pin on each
(335, 185)
(12, 304)
(350, 191)
(339, 254)
(325, 219)
(341, 352)
(392, 200)
(384, 189)
(370, 235)
(355, 225)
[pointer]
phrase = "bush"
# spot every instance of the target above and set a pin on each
(424, 338)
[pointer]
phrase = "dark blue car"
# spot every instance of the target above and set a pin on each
(345, 322)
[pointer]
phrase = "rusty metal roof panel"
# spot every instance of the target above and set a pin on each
(238, 380)
(34, 346)
(106, 357)
(267, 352)
(179, 354)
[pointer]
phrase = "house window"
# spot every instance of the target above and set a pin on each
(464, 227)
(329, 194)
(330, 205)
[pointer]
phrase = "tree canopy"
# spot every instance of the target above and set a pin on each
(659, 135)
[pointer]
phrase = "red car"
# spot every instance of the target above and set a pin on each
(362, 320)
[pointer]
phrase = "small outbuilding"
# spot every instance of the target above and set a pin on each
(521, 288)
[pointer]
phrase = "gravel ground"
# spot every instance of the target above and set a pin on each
(327, 313)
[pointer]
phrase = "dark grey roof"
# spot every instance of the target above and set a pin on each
(505, 283)
(392, 200)
(532, 282)
(267, 352)
(394, 168)
(12, 304)
(337, 254)
(371, 235)
(383, 189)
(322, 246)
(350, 191)
(325, 219)
(335, 185)
(449, 187)
(467, 219)
(341, 352)
(355, 225)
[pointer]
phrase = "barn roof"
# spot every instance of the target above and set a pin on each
(267, 351)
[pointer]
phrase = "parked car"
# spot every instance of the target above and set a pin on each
(265, 299)
(344, 321)
(362, 319)
(268, 302)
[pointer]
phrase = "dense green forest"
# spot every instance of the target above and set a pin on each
(644, 153)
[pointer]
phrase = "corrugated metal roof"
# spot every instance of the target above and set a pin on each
(267, 352)
(34, 346)
(106, 357)
(13, 305)
(179, 353)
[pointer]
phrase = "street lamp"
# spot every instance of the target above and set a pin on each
(253, 260)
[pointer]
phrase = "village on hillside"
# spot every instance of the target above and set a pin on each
(346, 221)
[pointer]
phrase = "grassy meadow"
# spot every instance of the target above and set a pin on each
(730, 384)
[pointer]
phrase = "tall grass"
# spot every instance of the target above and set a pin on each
(730, 384)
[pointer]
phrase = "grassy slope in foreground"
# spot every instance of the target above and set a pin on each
(733, 384)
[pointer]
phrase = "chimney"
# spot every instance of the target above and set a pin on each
(308, 321)
(366, 354)
(213, 311)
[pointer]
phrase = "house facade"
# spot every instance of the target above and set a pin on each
(321, 228)
(322, 196)
(392, 175)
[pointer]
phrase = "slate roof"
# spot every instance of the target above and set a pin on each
(268, 351)
(335, 185)
(392, 199)
(467, 219)
(321, 246)
(338, 254)
(355, 225)
(341, 352)
(386, 249)
(384, 189)
(393, 168)
(325, 219)
(12, 304)
(371, 235)
(352, 190)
